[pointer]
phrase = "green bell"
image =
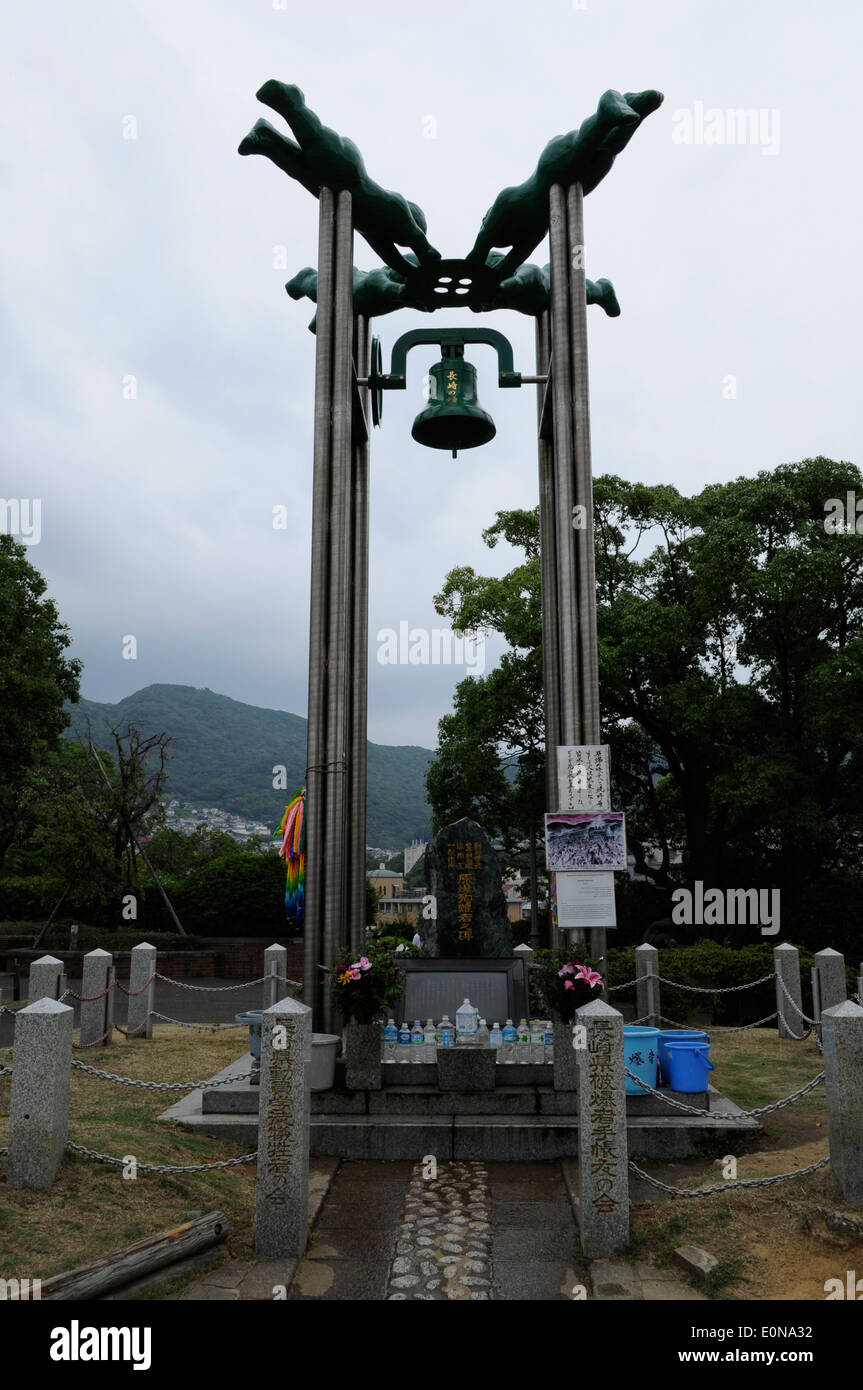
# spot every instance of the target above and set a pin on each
(453, 418)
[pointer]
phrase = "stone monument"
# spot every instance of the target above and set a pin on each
(464, 881)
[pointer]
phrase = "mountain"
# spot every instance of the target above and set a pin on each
(224, 753)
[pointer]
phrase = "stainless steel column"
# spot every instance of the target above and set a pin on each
(316, 733)
(358, 690)
(564, 472)
(336, 865)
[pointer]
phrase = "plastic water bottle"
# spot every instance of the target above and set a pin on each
(417, 1042)
(404, 1047)
(495, 1038)
(509, 1037)
(446, 1033)
(465, 1024)
(522, 1051)
(549, 1041)
(537, 1042)
(391, 1037)
(483, 1038)
(429, 1042)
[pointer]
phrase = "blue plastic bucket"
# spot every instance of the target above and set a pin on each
(641, 1055)
(688, 1065)
(667, 1035)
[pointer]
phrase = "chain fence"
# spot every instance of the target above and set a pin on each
(741, 1027)
(222, 989)
(728, 1114)
(720, 989)
(161, 1167)
(727, 1186)
(160, 1085)
(204, 1027)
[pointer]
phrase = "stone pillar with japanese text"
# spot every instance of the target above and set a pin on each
(282, 1202)
(603, 1158)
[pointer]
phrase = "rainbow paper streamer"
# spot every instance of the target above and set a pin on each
(292, 834)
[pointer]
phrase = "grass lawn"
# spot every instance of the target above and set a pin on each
(772, 1243)
(92, 1209)
(776, 1242)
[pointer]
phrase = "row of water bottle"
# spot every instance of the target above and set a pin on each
(528, 1043)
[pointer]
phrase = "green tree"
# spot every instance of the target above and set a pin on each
(36, 679)
(731, 676)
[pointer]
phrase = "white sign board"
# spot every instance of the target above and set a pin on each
(585, 900)
(583, 777)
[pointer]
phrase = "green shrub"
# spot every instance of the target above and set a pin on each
(710, 965)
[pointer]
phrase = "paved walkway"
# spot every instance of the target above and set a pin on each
(459, 1231)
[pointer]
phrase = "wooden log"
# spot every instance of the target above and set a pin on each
(121, 1267)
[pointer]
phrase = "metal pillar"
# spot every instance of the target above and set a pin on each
(571, 672)
(335, 772)
(358, 692)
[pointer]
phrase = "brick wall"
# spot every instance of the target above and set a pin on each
(237, 959)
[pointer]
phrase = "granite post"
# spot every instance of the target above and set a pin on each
(786, 963)
(141, 988)
(647, 985)
(275, 966)
(95, 1021)
(603, 1158)
(39, 1106)
(282, 1200)
(831, 968)
(45, 981)
(842, 1040)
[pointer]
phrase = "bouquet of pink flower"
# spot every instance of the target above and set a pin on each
(566, 984)
(364, 988)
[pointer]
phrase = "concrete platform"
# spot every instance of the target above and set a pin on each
(527, 1122)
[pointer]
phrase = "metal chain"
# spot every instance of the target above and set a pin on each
(741, 1028)
(612, 988)
(796, 1037)
(728, 1114)
(79, 1046)
(727, 1186)
(159, 1085)
(131, 993)
(132, 1032)
(211, 989)
(221, 989)
(206, 1027)
(724, 989)
(91, 998)
(4, 1150)
(5, 1071)
(162, 1167)
(793, 1002)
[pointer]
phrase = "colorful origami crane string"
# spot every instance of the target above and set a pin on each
(292, 836)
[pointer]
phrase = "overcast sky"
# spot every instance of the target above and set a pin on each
(153, 257)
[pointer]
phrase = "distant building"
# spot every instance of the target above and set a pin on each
(414, 851)
(386, 883)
